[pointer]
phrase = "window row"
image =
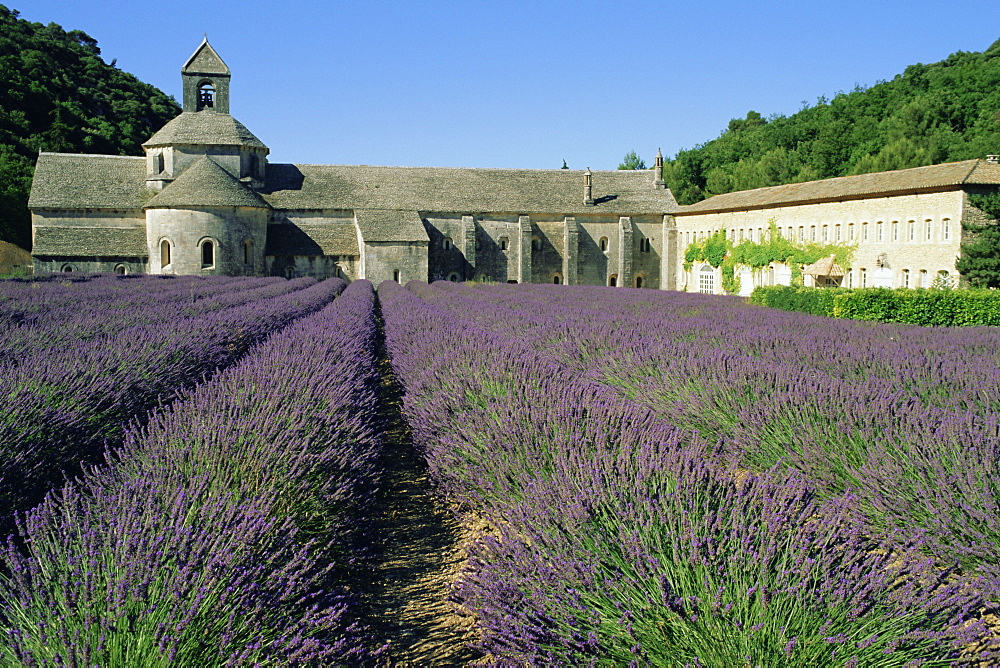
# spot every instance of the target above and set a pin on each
(208, 250)
(907, 278)
(879, 232)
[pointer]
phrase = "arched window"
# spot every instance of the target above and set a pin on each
(206, 95)
(446, 244)
(910, 230)
(68, 268)
(906, 278)
(923, 279)
(927, 229)
(836, 234)
(639, 280)
(604, 243)
(895, 230)
(645, 245)
(207, 254)
(503, 243)
(453, 277)
(121, 269)
(290, 272)
(613, 280)
(826, 233)
(946, 230)
(812, 233)
(864, 232)
(706, 279)
(164, 254)
(878, 231)
(556, 279)
(850, 231)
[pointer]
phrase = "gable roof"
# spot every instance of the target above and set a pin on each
(205, 183)
(931, 177)
(390, 225)
(297, 239)
(204, 128)
(90, 241)
(205, 60)
(460, 190)
(81, 181)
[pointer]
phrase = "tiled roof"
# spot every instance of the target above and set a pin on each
(966, 172)
(205, 183)
(470, 191)
(204, 128)
(292, 239)
(91, 241)
(390, 225)
(79, 181)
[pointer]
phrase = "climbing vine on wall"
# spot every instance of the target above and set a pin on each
(719, 251)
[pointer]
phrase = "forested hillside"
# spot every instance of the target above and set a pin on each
(57, 94)
(928, 115)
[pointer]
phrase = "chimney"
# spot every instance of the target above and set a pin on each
(993, 159)
(588, 188)
(658, 167)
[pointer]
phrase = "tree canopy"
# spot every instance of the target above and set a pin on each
(632, 161)
(58, 94)
(927, 115)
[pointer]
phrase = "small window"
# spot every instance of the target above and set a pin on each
(645, 245)
(638, 281)
(536, 243)
(396, 275)
(453, 277)
(812, 233)
(164, 254)
(850, 232)
(207, 254)
(927, 227)
(910, 233)
(878, 231)
(923, 279)
(446, 244)
(906, 278)
(121, 269)
(706, 280)
(864, 278)
(864, 232)
(837, 233)
(802, 233)
(604, 243)
(503, 243)
(556, 279)
(613, 280)
(850, 279)
(895, 230)
(206, 95)
(945, 230)
(290, 272)
(248, 252)
(68, 268)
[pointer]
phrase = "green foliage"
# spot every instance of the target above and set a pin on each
(927, 115)
(632, 161)
(942, 307)
(980, 260)
(712, 250)
(57, 94)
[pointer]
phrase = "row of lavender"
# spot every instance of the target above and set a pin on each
(619, 539)
(68, 393)
(906, 418)
(222, 531)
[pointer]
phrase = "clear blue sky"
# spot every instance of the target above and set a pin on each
(483, 83)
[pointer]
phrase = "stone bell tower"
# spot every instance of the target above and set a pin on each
(206, 81)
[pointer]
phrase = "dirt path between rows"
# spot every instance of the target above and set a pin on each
(421, 543)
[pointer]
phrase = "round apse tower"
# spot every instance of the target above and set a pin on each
(202, 169)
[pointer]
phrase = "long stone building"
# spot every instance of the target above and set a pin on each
(905, 225)
(205, 200)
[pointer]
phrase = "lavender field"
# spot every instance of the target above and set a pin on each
(191, 469)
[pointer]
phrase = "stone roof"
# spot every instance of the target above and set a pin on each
(90, 241)
(390, 225)
(80, 181)
(205, 127)
(205, 60)
(293, 239)
(205, 183)
(469, 191)
(862, 186)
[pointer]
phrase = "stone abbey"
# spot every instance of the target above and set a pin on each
(205, 201)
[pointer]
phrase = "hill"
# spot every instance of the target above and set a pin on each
(58, 94)
(927, 115)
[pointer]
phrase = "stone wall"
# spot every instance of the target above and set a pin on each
(186, 230)
(880, 227)
(399, 261)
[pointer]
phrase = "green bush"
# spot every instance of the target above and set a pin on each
(940, 308)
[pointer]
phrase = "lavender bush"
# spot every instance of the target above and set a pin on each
(219, 534)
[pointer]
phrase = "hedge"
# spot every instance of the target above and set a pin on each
(946, 308)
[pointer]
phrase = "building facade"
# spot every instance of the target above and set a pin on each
(204, 200)
(906, 226)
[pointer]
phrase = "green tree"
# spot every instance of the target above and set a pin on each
(980, 260)
(632, 161)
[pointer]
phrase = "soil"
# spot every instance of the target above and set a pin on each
(421, 549)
